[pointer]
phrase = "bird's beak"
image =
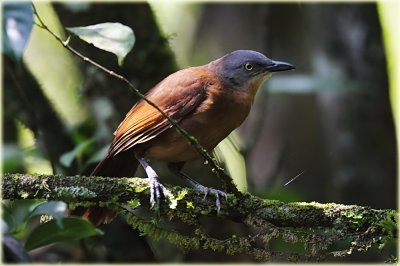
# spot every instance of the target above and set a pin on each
(276, 66)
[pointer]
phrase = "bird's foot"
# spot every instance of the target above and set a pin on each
(156, 191)
(213, 191)
(206, 190)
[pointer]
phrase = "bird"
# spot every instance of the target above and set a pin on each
(208, 101)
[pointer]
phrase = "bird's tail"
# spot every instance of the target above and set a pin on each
(121, 165)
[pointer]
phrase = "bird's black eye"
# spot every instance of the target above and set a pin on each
(248, 66)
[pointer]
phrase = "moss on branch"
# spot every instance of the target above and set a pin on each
(314, 224)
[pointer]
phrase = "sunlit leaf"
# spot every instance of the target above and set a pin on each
(389, 18)
(17, 27)
(111, 37)
(50, 232)
(228, 153)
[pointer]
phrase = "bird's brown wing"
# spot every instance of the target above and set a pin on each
(144, 122)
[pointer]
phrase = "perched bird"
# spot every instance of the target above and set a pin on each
(208, 101)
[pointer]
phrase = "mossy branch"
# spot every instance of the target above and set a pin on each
(316, 225)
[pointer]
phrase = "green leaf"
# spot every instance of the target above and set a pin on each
(97, 156)
(12, 158)
(17, 27)
(228, 153)
(182, 194)
(8, 220)
(111, 37)
(56, 209)
(14, 250)
(67, 158)
(389, 15)
(48, 233)
(17, 214)
(134, 203)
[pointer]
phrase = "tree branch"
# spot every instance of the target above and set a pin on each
(317, 225)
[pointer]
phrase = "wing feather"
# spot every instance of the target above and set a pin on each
(143, 122)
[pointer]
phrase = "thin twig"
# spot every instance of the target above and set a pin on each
(291, 180)
(192, 140)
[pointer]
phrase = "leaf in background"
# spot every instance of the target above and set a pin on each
(389, 17)
(7, 220)
(49, 233)
(228, 153)
(76, 6)
(67, 158)
(18, 213)
(97, 156)
(12, 158)
(284, 194)
(57, 209)
(111, 37)
(17, 27)
(13, 251)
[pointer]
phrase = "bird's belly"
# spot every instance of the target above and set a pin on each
(169, 148)
(208, 128)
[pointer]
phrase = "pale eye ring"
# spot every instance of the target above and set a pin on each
(248, 66)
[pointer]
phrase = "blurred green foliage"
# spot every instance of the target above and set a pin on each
(389, 16)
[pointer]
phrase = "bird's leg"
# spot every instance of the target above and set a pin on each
(177, 167)
(156, 188)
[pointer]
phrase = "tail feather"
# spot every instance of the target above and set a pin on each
(121, 165)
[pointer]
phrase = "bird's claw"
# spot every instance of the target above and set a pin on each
(213, 191)
(156, 191)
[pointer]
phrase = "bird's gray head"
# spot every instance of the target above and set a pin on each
(240, 67)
